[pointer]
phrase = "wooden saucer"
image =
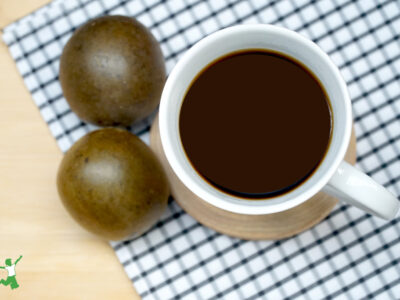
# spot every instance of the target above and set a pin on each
(260, 227)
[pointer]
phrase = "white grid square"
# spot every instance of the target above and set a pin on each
(173, 268)
(23, 67)
(273, 255)
(324, 268)
(201, 10)
(169, 27)
(391, 274)
(177, 43)
(392, 49)
(39, 98)
(343, 35)
(350, 11)
(141, 285)
(193, 34)
(309, 13)
(349, 276)
(47, 113)
(384, 34)
(232, 257)
(281, 272)
(44, 35)
(156, 277)
(64, 143)
(226, 18)
(394, 167)
(148, 261)
(331, 245)
(233, 295)
(307, 278)
(239, 274)
(249, 289)
(205, 251)
(351, 51)
(184, 19)
(165, 293)
(176, 5)
(316, 293)
(242, 9)
(318, 29)
(198, 275)
(332, 285)
(159, 13)
(393, 89)
(182, 243)
(78, 133)
(291, 286)
(389, 234)
(56, 128)
(333, 20)
(132, 270)
(61, 106)
(248, 249)
(60, 26)
(214, 266)
(378, 138)
(367, 43)
(209, 26)
(375, 18)
(359, 27)
(216, 5)
(364, 52)
(257, 264)
(300, 263)
(223, 282)
(284, 7)
(324, 7)
(206, 292)
(357, 292)
(135, 7)
(189, 260)
(70, 5)
(69, 120)
(77, 18)
(373, 283)
(198, 235)
(293, 22)
(375, 58)
(268, 15)
(365, 267)
(53, 50)
(393, 129)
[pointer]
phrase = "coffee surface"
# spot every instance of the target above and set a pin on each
(255, 124)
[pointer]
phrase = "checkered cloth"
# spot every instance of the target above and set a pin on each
(350, 255)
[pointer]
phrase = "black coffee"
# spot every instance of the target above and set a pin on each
(255, 124)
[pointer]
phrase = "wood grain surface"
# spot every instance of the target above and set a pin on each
(60, 260)
(260, 227)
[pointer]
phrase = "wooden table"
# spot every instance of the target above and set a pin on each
(60, 260)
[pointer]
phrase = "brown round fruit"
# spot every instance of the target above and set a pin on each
(112, 71)
(112, 184)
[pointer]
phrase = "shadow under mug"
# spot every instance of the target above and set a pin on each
(333, 175)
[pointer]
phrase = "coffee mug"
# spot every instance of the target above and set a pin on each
(333, 176)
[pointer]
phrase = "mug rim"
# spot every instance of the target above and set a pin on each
(241, 205)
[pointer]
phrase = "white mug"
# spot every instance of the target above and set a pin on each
(333, 176)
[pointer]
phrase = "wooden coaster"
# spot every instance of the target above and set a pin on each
(259, 227)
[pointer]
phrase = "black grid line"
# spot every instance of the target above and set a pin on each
(180, 259)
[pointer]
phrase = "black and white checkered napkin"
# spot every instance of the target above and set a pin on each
(350, 255)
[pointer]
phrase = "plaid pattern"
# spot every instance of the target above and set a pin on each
(350, 255)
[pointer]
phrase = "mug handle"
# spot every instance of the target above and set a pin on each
(358, 189)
